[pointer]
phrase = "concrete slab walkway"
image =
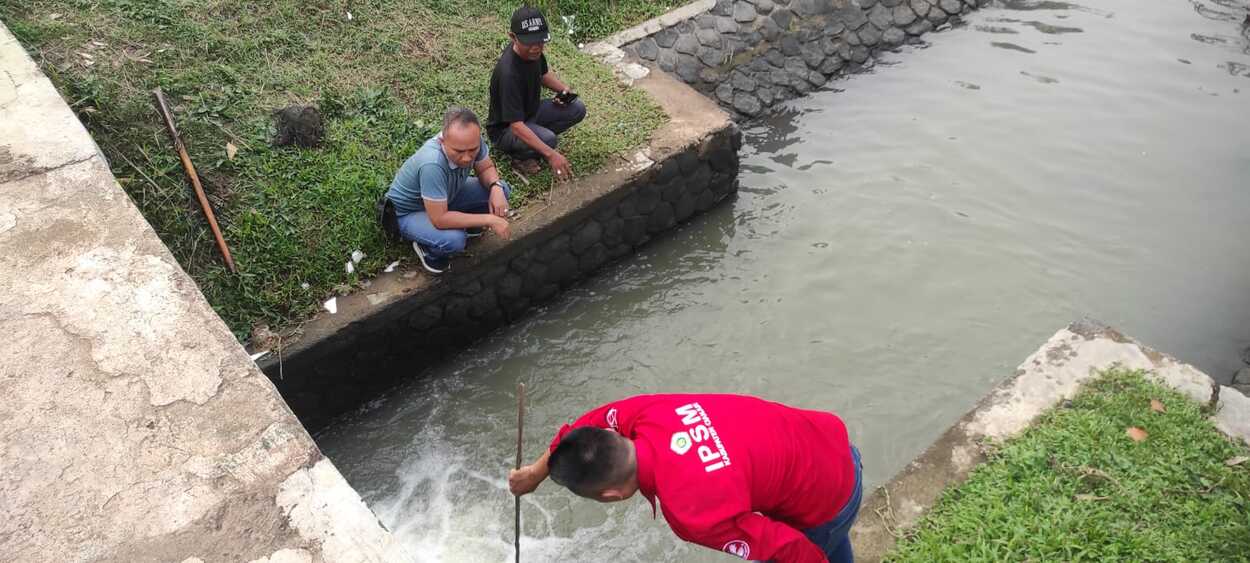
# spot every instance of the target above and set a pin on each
(134, 427)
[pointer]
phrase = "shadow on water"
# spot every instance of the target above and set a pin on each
(1011, 47)
(1040, 26)
(1040, 78)
(996, 29)
(783, 124)
(1233, 11)
(1038, 5)
(1030, 5)
(1236, 69)
(775, 133)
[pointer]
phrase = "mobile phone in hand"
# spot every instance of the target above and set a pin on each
(566, 97)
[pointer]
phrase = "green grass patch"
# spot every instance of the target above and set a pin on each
(1076, 487)
(382, 78)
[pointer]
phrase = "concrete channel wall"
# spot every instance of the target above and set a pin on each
(751, 54)
(1049, 376)
(403, 322)
(133, 426)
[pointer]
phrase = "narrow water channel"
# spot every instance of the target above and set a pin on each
(899, 245)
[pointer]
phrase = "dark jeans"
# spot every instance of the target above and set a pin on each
(550, 120)
(442, 243)
(833, 536)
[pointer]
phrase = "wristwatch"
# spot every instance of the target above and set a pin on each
(493, 184)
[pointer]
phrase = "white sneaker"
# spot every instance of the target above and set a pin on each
(431, 264)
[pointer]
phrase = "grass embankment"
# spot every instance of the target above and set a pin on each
(1078, 487)
(382, 78)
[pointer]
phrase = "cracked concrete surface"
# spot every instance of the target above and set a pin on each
(52, 139)
(1050, 375)
(134, 427)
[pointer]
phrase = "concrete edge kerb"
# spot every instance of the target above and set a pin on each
(658, 23)
(1232, 415)
(1050, 375)
(137, 428)
(59, 140)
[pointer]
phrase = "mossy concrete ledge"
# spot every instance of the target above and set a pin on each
(1049, 376)
(405, 321)
(134, 427)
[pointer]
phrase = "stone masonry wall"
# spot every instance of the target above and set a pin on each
(372, 355)
(750, 54)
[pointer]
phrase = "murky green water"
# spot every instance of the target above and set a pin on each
(898, 247)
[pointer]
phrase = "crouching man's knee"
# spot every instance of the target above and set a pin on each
(577, 111)
(450, 241)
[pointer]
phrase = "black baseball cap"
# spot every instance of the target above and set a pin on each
(529, 26)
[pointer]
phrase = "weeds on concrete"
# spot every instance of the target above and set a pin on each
(381, 71)
(1109, 476)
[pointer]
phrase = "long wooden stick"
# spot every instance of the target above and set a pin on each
(162, 107)
(520, 425)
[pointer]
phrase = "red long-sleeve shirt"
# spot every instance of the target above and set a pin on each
(733, 473)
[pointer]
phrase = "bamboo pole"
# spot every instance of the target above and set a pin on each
(520, 425)
(162, 107)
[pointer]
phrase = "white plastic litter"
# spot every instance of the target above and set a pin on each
(259, 355)
(349, 267)
(391, 267)
(332, 305)
(641, 160)
(357, 256)
(349, 16)
(304, 285)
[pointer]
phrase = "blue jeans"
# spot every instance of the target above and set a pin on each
(441, 243)
(833, 536)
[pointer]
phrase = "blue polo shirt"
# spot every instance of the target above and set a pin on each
(427, 174)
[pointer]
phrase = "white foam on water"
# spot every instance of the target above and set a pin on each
(448, 509)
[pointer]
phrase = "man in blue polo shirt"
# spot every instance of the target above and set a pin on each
(438, 203)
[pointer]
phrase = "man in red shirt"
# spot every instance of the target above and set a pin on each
(750, 477)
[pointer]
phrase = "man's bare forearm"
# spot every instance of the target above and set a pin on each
(461, 220)
(487, 174)
(539, 467)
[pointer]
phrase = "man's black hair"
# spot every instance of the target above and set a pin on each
(588, 460)
(460, 116)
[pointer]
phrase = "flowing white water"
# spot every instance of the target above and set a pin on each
(898, 247)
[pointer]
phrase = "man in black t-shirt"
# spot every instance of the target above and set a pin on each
(520, 124)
